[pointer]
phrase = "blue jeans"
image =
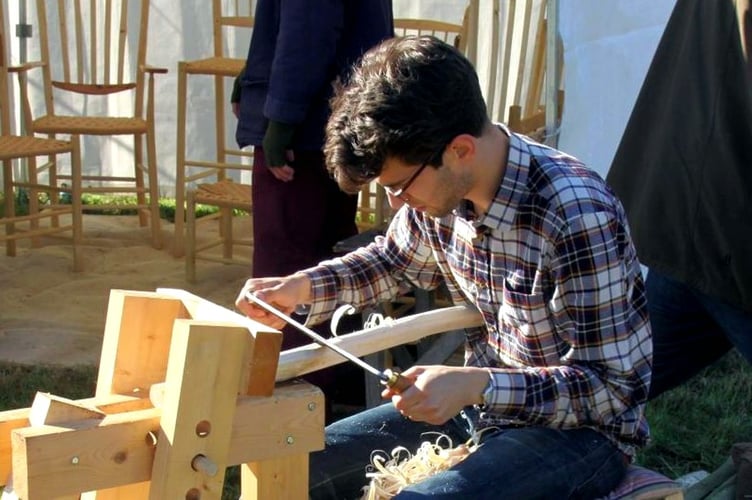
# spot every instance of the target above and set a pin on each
(510, 464)
(691, 330)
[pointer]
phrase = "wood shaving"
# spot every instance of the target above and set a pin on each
(390, 473)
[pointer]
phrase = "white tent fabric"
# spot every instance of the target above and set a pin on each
(608, 46)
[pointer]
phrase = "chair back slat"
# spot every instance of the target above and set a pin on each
(107, 38)
(78, 36)
(100, 42)
(122, 38)
(4, 60)
(229, 19)
(448, 32)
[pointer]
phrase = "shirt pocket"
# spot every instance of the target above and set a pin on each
(526, 314)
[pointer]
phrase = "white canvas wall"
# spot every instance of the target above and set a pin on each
(608, 45)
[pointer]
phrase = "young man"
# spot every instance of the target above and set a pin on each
(528, 235)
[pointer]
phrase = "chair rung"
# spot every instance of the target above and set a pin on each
(222, 260)
(217, 164)
(112, 206)
(24, 233)
(113, 189)
(38, 216)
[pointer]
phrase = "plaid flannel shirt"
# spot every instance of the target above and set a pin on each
(552, 269)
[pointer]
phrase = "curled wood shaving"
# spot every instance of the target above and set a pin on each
(390, 473)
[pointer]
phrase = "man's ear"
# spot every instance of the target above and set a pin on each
(463, 148)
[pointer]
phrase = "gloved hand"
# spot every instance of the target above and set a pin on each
(277, 141)
(235, 96)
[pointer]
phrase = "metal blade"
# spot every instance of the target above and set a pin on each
(385, 377)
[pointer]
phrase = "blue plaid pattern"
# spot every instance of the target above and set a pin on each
(552, 269)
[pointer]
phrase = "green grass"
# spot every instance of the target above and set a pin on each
(126, 203)
(693, 426)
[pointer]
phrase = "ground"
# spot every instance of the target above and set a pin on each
(50, 314)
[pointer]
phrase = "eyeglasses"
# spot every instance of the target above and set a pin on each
(400, 193)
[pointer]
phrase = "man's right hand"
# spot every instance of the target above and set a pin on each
(284, 294)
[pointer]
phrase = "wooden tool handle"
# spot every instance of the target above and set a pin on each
(396, 382)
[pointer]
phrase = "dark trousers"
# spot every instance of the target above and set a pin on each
(296, 225)
(691, 330)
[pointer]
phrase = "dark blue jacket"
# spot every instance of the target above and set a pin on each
(298, 48)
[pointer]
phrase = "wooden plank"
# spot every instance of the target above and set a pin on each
(305, 359)
(203, 378)
(276, 479)
(117, 451)
(17, 419)
(259, 376)
(136, 341)
(48, 409)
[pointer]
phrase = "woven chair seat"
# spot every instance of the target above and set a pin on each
(12, 146)
(224, 66)
(224, 193)
(90, 125)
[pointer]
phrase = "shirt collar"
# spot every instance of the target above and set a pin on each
(503, 208)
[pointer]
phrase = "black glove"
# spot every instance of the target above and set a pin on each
(235, 96)
(277, 140)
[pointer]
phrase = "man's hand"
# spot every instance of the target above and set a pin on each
(277, 146)
(439, 392)
(283, 294)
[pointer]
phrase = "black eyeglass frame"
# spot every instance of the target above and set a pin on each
(400, 193)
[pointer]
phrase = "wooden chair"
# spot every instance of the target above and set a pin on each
(228, 196)
(99, 62)
(516, 69)
(234, 18)
(25, 178)
(452, 33)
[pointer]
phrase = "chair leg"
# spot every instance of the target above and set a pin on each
(190, 239)
(76, 204)
(138, 169)
(33, 195)
(10, 209)
(53, 181)
(226, 232)
(156, 221)
(178, 242)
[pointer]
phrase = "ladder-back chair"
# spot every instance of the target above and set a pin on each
(23, 179)
(97, 83)
(233, 19)
(516, 72)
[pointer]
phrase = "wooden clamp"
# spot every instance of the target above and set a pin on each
(220, 407)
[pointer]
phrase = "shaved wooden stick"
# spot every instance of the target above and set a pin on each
(305, 359)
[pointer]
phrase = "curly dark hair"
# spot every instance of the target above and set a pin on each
(407, 98)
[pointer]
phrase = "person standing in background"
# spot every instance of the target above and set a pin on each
(297, 50)
(683, 171)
